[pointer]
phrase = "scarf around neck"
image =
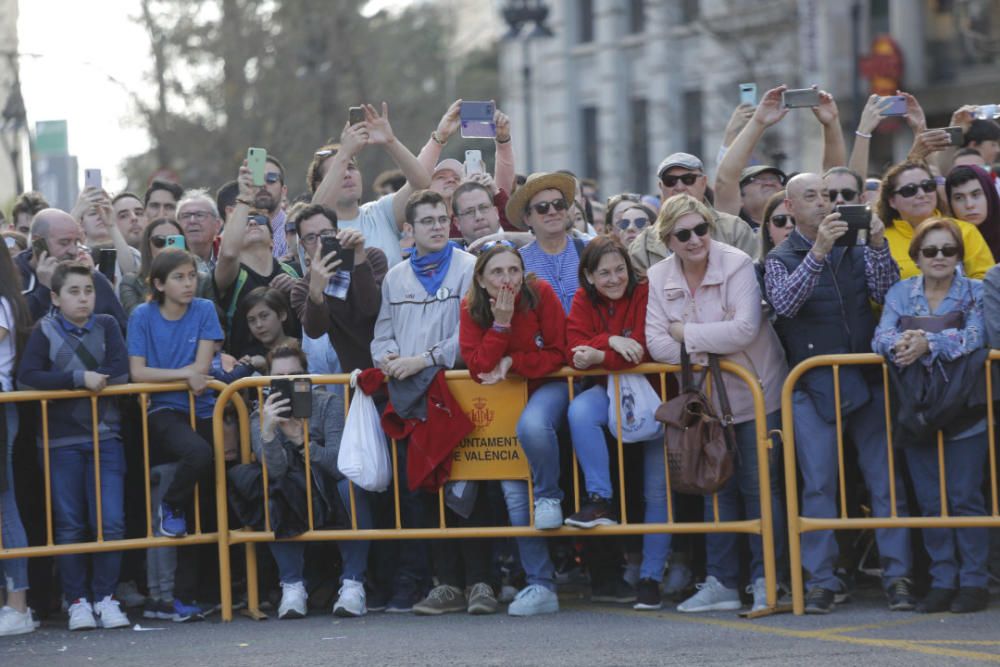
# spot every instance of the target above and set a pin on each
(432, 268)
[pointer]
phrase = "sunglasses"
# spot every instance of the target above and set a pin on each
(639, 223)
(158, 241)
(927, 185)
(780, 221)
(272, 177)
(847, 194)
(684, 235)
(542, 207)
(686, 179)
(931, 251)
(257, 219)
(489, 245)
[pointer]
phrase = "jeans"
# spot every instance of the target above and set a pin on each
(655, 546)
(290, 556)
(816, 451)
(537, 431)
(534, 551)
(74, 514)
(740, 497)
(13, 570)
(958, 555)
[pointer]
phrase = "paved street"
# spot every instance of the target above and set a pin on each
(861, 632)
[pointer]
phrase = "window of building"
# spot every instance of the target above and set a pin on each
(589, 141)
(692, 122)
(636, 16)
(639, 146)
(585, 20)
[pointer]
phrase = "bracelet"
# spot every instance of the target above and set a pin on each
(862, 134)
(244, 202)
(501, 328)
(503, 141)
(434, 136)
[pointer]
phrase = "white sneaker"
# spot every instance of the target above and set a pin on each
(109, 614)
(548, 514)
(350, 600)
(293, 601)
(534, 600)
(13, 622)
(81, 616)
(759, 591)
(711, 596)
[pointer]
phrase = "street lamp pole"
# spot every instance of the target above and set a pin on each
(519, 13)
(529, 148)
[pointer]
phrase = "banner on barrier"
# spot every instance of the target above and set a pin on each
(491, 451)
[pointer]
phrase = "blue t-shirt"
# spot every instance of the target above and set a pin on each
(174, 344)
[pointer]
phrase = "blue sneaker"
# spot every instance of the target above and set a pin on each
(187, 613)
(172, 522)
(534, 600)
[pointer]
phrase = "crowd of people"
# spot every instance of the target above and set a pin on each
(505, 275)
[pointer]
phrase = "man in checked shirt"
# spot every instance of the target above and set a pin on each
(820, 293)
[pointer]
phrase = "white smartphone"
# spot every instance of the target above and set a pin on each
(474, 163)
(92, 178)
(748, 94)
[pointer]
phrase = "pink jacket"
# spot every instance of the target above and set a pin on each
(725, 317)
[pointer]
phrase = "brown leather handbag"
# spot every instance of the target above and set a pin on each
(701, 445)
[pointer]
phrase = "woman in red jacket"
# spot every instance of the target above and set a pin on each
(607, 329)
(512, 322)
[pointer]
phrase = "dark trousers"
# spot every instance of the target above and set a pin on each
(172, 440)
(462, 562)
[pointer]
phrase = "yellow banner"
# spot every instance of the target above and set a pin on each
(491, 451)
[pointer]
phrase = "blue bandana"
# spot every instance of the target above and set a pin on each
(431, 269)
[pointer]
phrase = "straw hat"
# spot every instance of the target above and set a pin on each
(535, 183)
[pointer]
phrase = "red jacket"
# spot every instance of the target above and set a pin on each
(535, 342)
(594, 325)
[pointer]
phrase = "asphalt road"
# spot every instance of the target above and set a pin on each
(861, 632)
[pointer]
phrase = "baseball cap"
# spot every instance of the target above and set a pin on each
(685, 160)
(750, 172)
(451, 164)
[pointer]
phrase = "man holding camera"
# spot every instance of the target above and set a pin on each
(820, 291)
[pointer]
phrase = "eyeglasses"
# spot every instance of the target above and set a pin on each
(684, 235)
(542, 207)
(639, 223)
(846, 193)
(927, 185)
(310, 238)
(482, 209)
(780, 221)
(272, 177)
(489, 245)
(932, 251)
(257, 219)
(200, 216)
(440, 221)
(158, 241)
(686, 179)
(326, 152)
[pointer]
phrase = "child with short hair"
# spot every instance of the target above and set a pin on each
(73, 348)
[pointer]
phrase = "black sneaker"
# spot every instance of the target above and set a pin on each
(969, 600)
(596, 511)
(647, 595)
(936, 601)
(819, 601)
(900, 595)
(619, 591)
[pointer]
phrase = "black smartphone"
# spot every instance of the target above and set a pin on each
(859, 219)
(38, 246)
(106, 263)
(330, 244)
(355, 115)
(955, 135)
(299, 390)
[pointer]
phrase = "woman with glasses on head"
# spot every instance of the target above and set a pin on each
(972, 197)
(705, 297)
(908, 197)
(632, 218)
(931, 318)
(134, 289)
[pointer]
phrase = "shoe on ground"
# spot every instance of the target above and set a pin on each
(14, 622)
(534, 600)
(615, 590)
(595, 512)
(819, 600)
(109, 614)
(187, 613)
(403, 599)
(375, 600)
(679, 578)
(900, 595)
(350, 600)
(548, 514)
(81, 615)
(128, 594)
(293, 601)
(758, 589)
(162, 610)
(647, 595)
(970, 600)
(172, 521)
(936, 601)
(482, 601)
(711, 596)
(443, 599)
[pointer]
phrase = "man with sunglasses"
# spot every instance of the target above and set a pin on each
(821, 294)
(268, 198)
(843, 186)
(683, 173)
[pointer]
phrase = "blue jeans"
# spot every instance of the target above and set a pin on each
(13, 570)
(537, 431)
(816, 451)
(290, 556)
(534, 551)
(739, 498)
(958, 555)
(655, 546)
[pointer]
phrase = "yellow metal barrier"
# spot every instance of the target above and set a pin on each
(513, 387)
(800, 524)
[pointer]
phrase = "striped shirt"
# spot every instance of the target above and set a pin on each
(560, 270)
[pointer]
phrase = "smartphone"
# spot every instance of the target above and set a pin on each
(106, 263)
(477, 120)
(859, 221)
(299, 390)
(330, 244)
(38, 246)
(988, 111)
(474, 163)
(176, 241)
(800, 97)
(897, 106)
(748, 94)
(355, 115)
(92, 179)
(955, 135)
(256, 159)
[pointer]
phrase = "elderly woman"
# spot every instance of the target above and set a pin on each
(929, 319)
(907, 198)
(134, 289)
(705, 296)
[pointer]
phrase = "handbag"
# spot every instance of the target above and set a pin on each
(364, 457)
(701, 444)
(639, 402)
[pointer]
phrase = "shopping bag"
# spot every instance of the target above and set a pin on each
(364, 455)
(638, 406)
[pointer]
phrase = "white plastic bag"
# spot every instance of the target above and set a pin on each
(638, 405)
(364, 455)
